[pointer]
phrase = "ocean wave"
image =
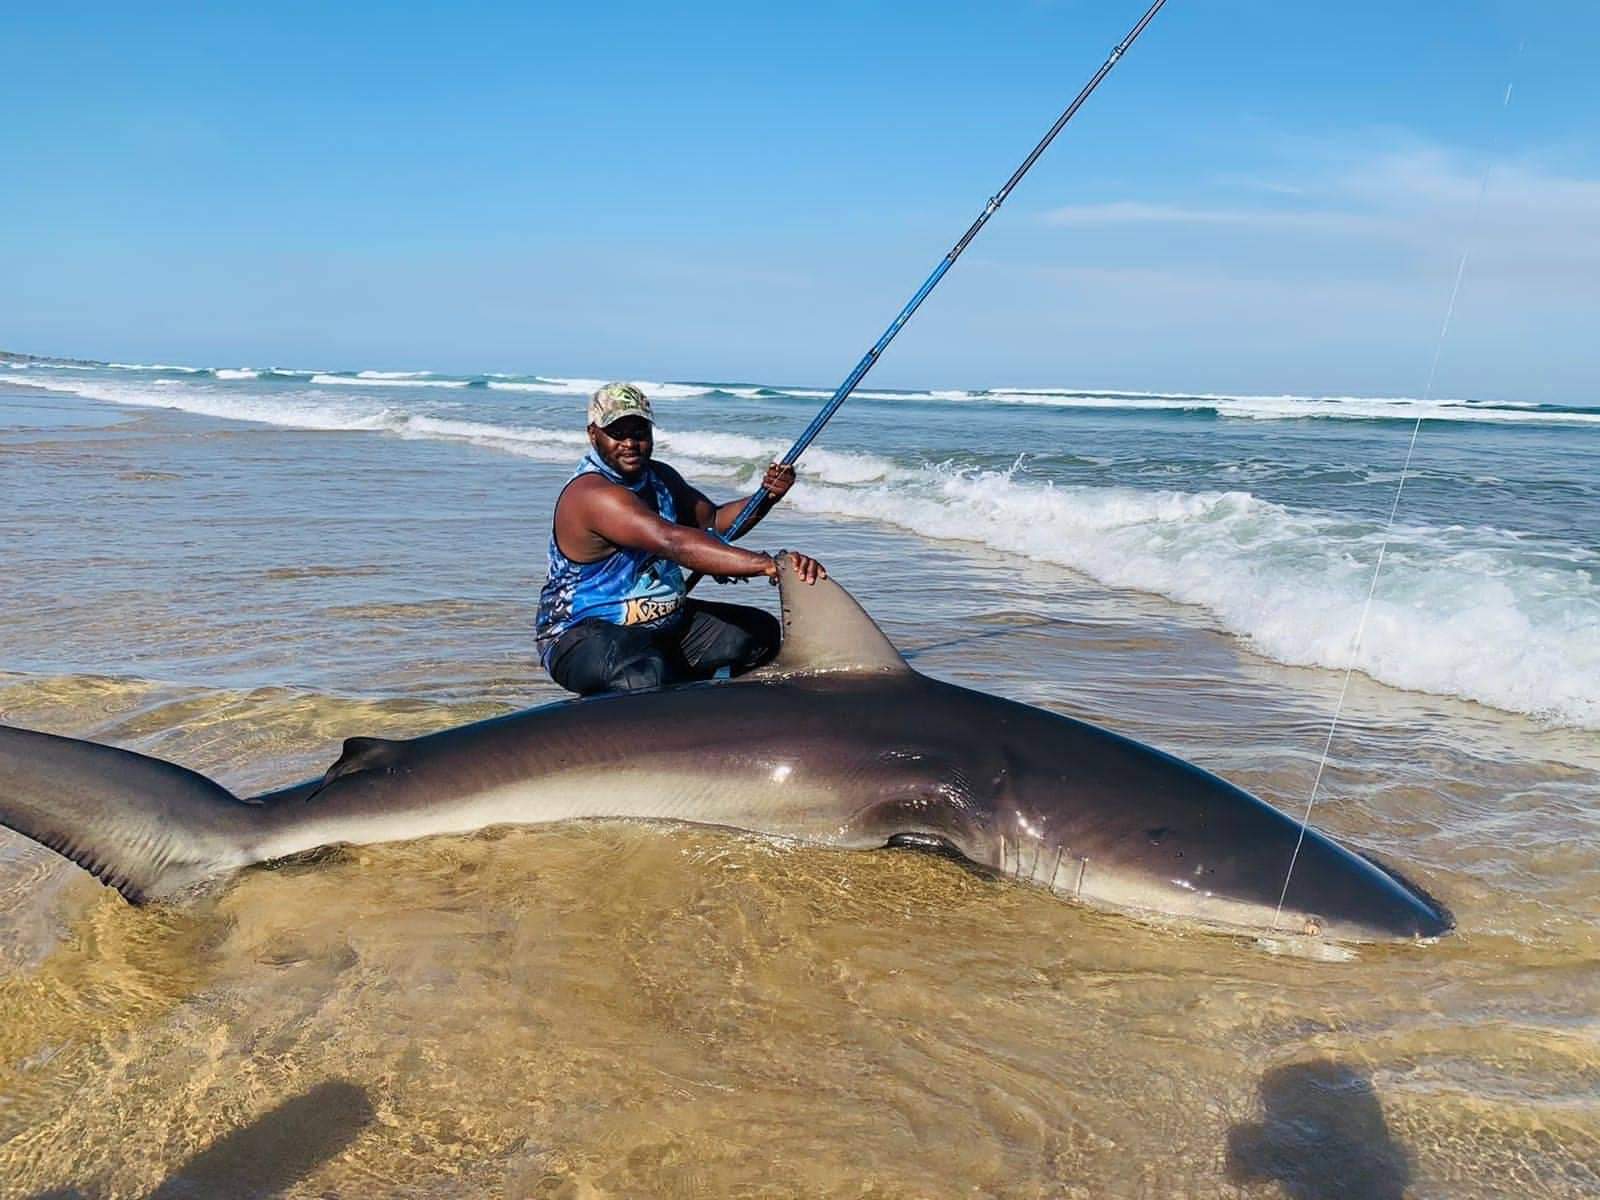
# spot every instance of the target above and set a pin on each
(1453, 615)
(585, 387)
(1247, 406)
(570, 387)
(523, 385)
(309, 410)
(1351, 408)
(383, 381)
(1292, 407)
(1285, 407)
(675, 391)
(735, 455)
(1478, 613)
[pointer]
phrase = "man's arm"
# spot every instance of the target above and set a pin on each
(622, 519)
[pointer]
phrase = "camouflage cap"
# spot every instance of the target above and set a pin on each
(618, 400)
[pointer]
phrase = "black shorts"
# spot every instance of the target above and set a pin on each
(597, 656)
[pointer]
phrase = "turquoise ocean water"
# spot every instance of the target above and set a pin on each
(1265, 512)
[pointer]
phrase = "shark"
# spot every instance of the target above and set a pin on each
(836, 742)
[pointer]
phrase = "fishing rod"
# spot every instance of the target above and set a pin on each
(762, 502)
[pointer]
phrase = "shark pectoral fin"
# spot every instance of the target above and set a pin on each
(824, 629)
(362, 754)
(925, 843)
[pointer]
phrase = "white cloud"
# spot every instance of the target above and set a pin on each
(1520, 223)
(1133, 212)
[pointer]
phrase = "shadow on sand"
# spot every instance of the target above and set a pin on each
(1322, 1136)
(271, 1154)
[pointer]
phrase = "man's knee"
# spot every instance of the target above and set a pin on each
(765, 632)
(738, 638)
(598, 657)
(636, 672)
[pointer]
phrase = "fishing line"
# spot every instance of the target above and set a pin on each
(1388, 529)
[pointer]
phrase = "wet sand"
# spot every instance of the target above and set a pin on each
(615, 1009)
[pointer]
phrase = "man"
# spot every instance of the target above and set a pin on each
(614, 614)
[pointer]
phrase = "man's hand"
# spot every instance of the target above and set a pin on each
(808, 568)
(778, 480)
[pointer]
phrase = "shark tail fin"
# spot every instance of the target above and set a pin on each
(146, 827)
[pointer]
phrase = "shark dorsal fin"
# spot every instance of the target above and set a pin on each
(363, 754)
(824, 629)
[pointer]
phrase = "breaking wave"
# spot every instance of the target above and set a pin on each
(1476, 614)
(1266, 407)
(368, 380)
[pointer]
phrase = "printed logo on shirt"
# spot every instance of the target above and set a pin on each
(646, 610)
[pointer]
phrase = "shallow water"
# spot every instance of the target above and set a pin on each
(616, 1009)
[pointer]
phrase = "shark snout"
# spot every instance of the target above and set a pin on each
(1255, 874)
(1342, 894)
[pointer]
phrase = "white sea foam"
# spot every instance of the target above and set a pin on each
(305, 410)
(585, 387)
(393, 374)
(725, 446)
(1245, 407)
(528, 441)
(674, 391)
(858, 394)
(1140, 403)
(236, 373)
(1351, 408)
(158, 367)
(730, 454)
(383, 381)
(1452, 615)
(548, 389)
(571, 387)
(1289, 407)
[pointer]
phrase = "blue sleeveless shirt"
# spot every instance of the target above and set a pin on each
(626, 587)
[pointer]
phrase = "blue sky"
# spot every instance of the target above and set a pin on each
(1263, 197)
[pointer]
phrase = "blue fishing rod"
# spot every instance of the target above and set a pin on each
(762, 502)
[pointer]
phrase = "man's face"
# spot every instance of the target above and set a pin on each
(624, 445)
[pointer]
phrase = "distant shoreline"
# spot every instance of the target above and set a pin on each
(9, 356)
